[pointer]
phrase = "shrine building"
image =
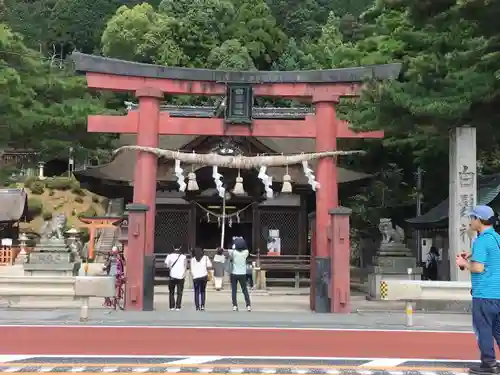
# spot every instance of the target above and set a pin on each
(193, 218)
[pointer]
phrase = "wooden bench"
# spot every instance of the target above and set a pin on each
(296, 264)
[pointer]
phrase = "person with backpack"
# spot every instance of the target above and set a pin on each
(176, 263)
(238, 269)
(484, 265)
(200, 270)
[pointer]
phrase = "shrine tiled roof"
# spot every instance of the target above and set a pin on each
(488, 190)
(13, 204)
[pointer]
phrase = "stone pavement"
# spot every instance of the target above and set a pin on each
(188, 317)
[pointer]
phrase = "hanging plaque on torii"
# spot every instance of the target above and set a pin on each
(150, 83)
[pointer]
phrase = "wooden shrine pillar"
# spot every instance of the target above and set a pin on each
(139, 288)
(146, 165)
(326, 199)
(340, 251)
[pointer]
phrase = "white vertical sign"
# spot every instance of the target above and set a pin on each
(463, 195)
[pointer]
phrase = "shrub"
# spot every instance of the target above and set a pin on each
(35, 206)
(29, 182)
(96, 199)
(77, 190)
(37, 187)
(89, 212)
(78, 199)
(62, 183)
(47, 215)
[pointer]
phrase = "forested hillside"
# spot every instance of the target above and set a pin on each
(449, 50)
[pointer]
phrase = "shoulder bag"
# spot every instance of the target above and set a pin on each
(169, 269)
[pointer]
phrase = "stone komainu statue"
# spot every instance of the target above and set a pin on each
(390, 233)
(55, 227)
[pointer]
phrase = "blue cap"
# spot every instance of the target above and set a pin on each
(482, 212)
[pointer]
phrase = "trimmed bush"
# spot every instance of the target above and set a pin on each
(89, 212)
(77, 190)
(62, 183)
(96, 199)
(47, 215)
(78, 199)
(37, 187)
(35, 206)
(29, 182)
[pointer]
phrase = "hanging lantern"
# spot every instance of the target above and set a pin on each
(238, 187)
(192, 183)
(287, 185)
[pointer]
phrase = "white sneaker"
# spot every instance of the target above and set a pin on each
(177, 309)
(235, 308)
(249, 308)
(172, 309)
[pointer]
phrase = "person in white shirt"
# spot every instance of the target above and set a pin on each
(219, 264)
(176, 262)
(200, 266)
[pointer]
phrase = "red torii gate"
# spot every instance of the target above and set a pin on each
(150, 83)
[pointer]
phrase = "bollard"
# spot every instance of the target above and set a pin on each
(409, 306)
(84, 311)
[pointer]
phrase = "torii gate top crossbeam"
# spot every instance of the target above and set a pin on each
(96, 64)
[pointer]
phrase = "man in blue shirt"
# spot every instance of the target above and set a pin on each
(484, 266)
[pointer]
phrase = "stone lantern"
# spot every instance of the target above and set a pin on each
(22, 257)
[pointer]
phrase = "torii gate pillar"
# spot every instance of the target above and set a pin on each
(326, 199)
(146, 165)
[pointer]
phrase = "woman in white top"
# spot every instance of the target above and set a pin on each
(200, 265)
(176, 262)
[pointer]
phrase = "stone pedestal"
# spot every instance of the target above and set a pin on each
(51, 257)
(391, 263)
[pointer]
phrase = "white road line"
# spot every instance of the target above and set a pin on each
(79, 369)
(384, 362)
(206, 370)
(194, 360)
(46, 369)
(268, 371)
(109, 369)
(300, 370)
(10, 358)
(140, 369)
(12, 369)
(173, 369)
(236, 370)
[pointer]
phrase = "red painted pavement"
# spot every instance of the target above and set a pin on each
(235, 342)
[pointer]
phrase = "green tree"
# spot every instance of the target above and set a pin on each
(42, 105)
(202, 25)
(141, 34)
(230, 55)
(293, 58)
(256, 29)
